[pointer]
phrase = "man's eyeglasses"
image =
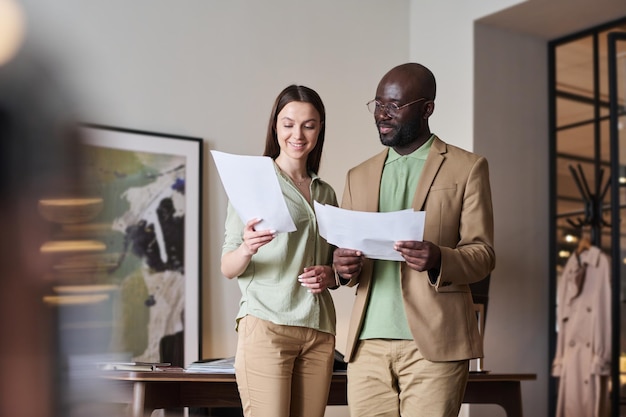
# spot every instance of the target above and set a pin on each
(391, 109)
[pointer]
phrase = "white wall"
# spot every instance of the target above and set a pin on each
(442, 38)
(511, 130)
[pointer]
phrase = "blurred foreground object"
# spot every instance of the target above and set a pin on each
(40, 174)
(12, 28)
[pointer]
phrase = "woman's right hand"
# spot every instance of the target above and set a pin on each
(253, 240)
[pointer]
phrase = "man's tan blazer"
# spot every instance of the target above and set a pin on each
(454, 191)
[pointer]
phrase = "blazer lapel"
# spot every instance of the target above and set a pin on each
(431, 167)
(372, 181)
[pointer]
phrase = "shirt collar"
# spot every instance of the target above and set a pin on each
(419, 153)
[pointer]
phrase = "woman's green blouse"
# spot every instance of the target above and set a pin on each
(269, 286)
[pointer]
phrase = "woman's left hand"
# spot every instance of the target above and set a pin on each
(317, 278)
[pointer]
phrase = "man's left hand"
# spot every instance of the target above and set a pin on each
(420, 256)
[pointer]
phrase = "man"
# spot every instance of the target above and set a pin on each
(413, 327)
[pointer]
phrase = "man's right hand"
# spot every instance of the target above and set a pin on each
(348, 262)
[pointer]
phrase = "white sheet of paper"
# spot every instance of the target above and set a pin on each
(372, 233)
(253, 189)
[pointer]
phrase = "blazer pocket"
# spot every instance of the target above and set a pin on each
(441, 187)
(443, 198)
(452, 288)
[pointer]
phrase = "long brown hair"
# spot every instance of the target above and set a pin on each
(305, 95)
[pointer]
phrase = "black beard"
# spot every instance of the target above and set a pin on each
(405, 134)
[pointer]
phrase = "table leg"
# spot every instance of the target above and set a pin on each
(512, 401)
(139, 395)
(507, 394)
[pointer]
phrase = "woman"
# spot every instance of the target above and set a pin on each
(286, 321)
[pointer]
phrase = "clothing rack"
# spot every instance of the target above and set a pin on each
(593, 204)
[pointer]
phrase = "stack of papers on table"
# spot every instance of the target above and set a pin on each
(133, 366)
(213, 366)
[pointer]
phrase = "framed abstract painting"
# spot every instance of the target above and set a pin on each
(150, 223)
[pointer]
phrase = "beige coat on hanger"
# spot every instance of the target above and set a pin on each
(583, 354)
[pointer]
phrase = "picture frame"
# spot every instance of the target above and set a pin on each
(151, 184)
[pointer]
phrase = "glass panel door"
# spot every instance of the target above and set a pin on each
(588, 133)
(616, 52)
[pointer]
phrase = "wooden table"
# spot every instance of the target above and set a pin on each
(175, 389)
